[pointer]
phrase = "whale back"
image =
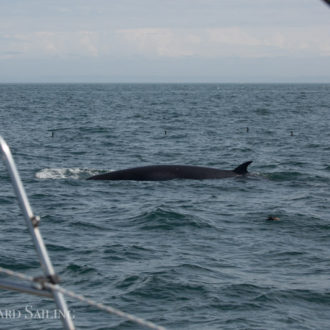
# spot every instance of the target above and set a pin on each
(169, 172)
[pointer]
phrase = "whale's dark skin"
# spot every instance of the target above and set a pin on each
(170, 172)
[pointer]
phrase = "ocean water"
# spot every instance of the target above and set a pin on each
(185, 254)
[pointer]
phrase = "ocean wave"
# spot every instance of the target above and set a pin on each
(284, 176)
(161, 218)
(295, 176)
(80, 269)
(86, 225)
(161, 284)
(127, 252)
(185, 254)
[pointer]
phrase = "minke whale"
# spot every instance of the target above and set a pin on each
(170, 172)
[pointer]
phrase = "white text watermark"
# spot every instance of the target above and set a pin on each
(29, 312)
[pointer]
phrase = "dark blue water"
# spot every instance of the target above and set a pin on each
(184, 254)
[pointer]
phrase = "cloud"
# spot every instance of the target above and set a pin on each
(229, 41)
(160, 42)
(45, 44)
(188, 38)
(170, 43)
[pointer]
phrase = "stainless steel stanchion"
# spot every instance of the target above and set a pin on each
(32, 222)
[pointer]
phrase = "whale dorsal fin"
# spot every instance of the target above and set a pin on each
(242, 169)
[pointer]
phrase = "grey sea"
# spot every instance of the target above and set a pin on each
(185, 254)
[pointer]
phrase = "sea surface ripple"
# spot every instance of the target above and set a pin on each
(184, 254)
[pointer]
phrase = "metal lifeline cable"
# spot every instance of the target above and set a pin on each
(81, 298)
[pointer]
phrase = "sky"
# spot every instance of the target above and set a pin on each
(233, 41)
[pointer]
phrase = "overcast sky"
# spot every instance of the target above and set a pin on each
(164, 41)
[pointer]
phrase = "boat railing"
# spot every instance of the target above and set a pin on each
(48, 284)
(32, 222)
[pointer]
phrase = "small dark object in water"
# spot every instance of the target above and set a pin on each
(272, 218)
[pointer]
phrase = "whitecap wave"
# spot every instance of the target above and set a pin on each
(65, 173)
